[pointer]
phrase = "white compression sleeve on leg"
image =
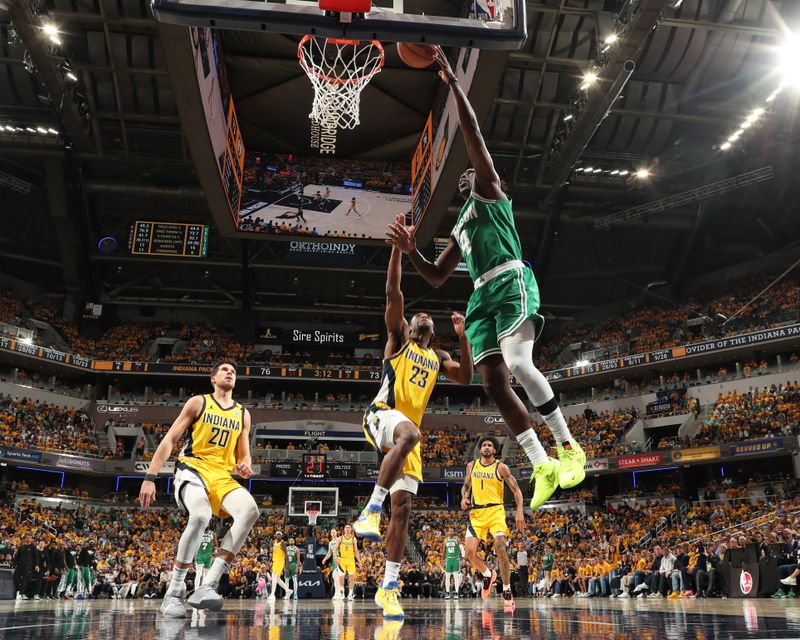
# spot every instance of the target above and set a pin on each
(196, 501)
(517, 351)
(244, 511)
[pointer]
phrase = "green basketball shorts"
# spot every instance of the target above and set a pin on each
(452, 565)
(497, 309)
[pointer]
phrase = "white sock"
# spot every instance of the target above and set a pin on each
(486, 573)
(391, 574)
(558, 426)
(529, 441)
(218, 567)
(176, 583)
(506, 587)
(378, 496)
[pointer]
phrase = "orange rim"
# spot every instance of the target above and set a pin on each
(339, 41)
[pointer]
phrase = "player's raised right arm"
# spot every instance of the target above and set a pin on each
(487, 182)
(396, 325)
(187, 416)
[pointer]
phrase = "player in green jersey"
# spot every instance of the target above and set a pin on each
(205, 556)
(453, 552)
(293, 563)
(502, 322)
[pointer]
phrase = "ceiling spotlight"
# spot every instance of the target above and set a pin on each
(615, 172)
(71, 76)
(642, 173)
(598, 170)
(41, 129)
(579, 169)
(611, 38)
(582, 363)
(589, 79)
(29, 130)
(735, 135)
(53, 131)
(50, 30)
(774, 94)
(757, 113)
(788, 57)
(725, 146)
(588, 169)
(567, 117)
(624, 172)
(747, 124)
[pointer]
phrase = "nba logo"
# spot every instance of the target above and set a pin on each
(745, 582)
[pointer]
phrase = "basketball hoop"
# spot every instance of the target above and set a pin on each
(312, 517)
(339, 70)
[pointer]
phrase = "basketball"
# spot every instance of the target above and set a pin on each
(415, 55)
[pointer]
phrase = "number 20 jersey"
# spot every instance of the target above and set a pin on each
(408, 381)
(214, 435)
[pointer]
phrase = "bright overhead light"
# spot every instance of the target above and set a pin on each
(50, 29)
(569, 116)
(747, 124)
(735, 135)
(615, 172)
(774, 94)
(598, 170)
(643, 173)
(624, 172)
(757, 113)
(611, 38)
(29, 130)
(72, 76)
(725, 146)
(53, 131)
(589, 79)
(41, 129)
(588, 169)
(26, 340)
(582, 363)
(579, 169)
(789, 61)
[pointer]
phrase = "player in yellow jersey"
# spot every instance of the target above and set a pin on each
(347, 557)
(278, 565)
(391, 424)
(482, 495)
(219, 443)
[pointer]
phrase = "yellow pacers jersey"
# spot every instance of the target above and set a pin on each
(278, 557)
(408, 381)
(214, 435)
(346, 548)
(487, 487)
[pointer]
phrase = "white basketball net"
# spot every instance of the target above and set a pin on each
(339, 71)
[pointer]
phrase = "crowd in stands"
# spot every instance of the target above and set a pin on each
(30, 424)
(593, 551)
(630, 330)
(769, 412)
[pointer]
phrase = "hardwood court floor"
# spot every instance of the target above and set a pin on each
(425, 620)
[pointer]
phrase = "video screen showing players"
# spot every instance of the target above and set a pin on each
(323, 197)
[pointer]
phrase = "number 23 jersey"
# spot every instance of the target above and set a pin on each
(214, 435)
(408, 381)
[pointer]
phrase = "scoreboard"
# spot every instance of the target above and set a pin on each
(314, 466)
(422, 173)
(168, 239)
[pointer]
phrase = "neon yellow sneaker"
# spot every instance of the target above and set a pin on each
(572, 462)
(544, 481)
(389, 631)
(368, 524)
(387, 599)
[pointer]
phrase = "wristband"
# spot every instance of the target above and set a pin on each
(150, 477)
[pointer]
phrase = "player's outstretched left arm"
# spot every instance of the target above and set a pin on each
(243, 460)
(394, 316)
(505, 474)
(436, 273)
(458, 372)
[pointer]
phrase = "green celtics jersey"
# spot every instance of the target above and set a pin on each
(486, 234)
(206, 548)
(451, 550)
(291, 555)
(548, 559)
